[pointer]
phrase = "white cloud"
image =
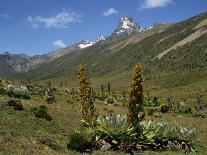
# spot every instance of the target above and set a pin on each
(59, 44)
(110, 11)
(61, 20)
(5, 15)
(148, 4)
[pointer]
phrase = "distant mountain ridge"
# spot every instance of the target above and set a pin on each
(23, 63)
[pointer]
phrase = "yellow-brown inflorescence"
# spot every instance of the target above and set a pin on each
(88, 111)
(136, 96)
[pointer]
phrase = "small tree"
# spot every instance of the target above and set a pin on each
(136, 97)
(88, 111)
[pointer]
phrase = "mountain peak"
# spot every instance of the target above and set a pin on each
(126, 26)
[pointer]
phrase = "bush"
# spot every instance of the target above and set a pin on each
(78, 141)
(16, 104)
(41, 112)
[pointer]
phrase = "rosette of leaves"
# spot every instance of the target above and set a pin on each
(111, 100)
(153, 130)
(17, 91)
(114, 129)
(185, 134)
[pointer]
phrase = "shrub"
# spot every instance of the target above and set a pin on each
(78, 141)
(41, 112)
(16, 104)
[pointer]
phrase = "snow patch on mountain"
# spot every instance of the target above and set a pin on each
(85, 43)
(100, 38)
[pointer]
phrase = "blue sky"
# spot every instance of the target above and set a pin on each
(39, 26)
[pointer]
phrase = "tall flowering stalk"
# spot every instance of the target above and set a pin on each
(88, 111)
(136, 97)
(1, 82)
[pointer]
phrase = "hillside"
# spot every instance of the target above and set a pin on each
(120, 55)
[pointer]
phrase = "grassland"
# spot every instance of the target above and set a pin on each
(21, 132)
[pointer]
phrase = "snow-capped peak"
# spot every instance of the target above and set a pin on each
(126, 26)
(100, 38)
(85, 43)
(126, 22)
